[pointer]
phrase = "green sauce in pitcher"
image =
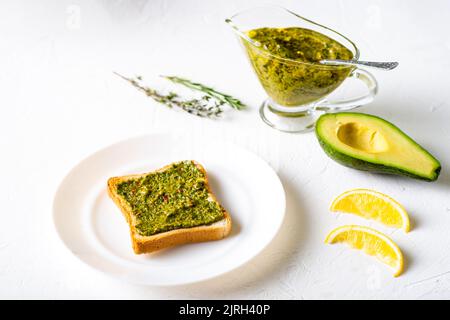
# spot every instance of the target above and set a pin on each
(286, 62)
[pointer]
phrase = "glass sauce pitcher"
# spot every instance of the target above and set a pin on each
(297, 90)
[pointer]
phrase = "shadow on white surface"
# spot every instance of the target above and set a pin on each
(408, 260)
(444, 178)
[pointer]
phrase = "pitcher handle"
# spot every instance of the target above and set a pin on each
(346, 104)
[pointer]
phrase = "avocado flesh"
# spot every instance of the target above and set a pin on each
(366, 142)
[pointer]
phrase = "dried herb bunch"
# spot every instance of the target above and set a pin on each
(225, 98)
(209, 105)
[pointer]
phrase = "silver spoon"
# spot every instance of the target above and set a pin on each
(371, 64)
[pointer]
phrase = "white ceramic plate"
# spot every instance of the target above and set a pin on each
(93, 228)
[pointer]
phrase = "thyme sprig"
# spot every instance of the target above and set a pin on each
(220, 96)
(201, 107)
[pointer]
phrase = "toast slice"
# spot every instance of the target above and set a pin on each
(142, 241)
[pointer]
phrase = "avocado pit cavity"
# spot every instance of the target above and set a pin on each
(363, 138)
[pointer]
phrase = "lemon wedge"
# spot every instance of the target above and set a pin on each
(372, 242)
(372, 205)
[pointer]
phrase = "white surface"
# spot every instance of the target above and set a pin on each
(60, 102)
(249, 189)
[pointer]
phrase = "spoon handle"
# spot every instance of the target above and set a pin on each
(371, 64)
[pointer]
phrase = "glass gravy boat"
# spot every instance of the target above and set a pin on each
(296, 97)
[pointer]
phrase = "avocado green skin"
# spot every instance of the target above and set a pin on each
(363, 165)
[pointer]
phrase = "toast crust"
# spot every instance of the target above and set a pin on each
(147, 244)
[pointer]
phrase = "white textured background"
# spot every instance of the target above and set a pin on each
(60, 102)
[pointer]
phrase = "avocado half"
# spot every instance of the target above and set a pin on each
(366, 142)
